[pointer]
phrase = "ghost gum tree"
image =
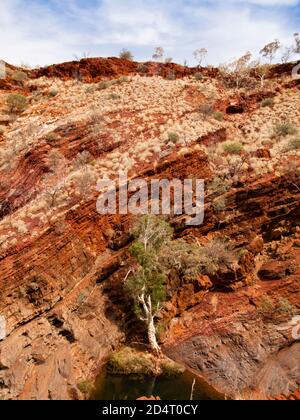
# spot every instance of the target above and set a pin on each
(199, 55)
(296, 49)
(158, 54)
(262, 72)
(270, 50)
(146, 282)
(239, 69)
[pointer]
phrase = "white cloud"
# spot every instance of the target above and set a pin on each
(43, 32)
(269, 2)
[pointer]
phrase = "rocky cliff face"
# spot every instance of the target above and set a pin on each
(241, 341)
(62, 264)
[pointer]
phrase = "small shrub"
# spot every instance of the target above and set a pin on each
(19, 76)
(219, 116)
(206, 110)
(83, 158)
(198, 76)
(242, 253)
(267, 102)
(53, 92)
(171, 369)
(126, 55)
(81, 298)
(85, 387)
(114, 96)
(266, 306)
(16, 103)
(171, 75)
(233, 148)
(219, 204)
(120, 81)
(123, 79)
(284, 129)
(294, 144)
(190, 260)
(216, 254)
(104, 84)
(127, 361)
(173, 138)
(219, 186)
(142, 68)
(90, 89)
(1, 131)
(50, 137)
(285, 307)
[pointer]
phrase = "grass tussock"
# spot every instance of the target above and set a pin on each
(233, 148)
(129, 361)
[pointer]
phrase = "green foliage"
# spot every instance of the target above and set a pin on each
(53, 92)
(219, 116)
(270, 308)
(142, 68)
(114, 96)
(285, 129)
(81, 298)
(85, 387)
(151, 234)
(206, 110)
(19, 76)
(104, 84)
(183, 257)
(294, 144)
(128, 361)
(219, 204)
(266, 306)
(190, 260)
(149, 281)
(16, 103)
(173, 137)
(216, 254)
(267, 102)
(123, 79)
(233, 148)
(120, 80)
(219, 186)
(285, 307)
(153, 230)
(51, 137)
(90, 89)
(126, 55)
(198, 76)
(171, 369)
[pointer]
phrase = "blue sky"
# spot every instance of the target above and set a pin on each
(40, 32)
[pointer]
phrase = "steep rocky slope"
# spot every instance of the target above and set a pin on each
(62, 264)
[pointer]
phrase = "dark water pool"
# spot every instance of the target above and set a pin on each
(112, 387)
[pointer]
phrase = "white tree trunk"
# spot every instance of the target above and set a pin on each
(152, 336)
(149, 319)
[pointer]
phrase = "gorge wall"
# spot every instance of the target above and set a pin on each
(61, 277)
